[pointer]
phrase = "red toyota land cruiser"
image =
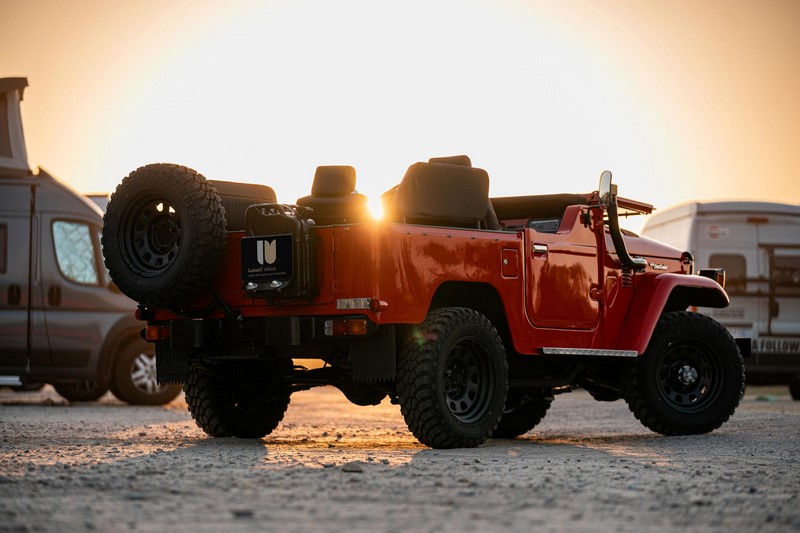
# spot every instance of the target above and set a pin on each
(471, 312)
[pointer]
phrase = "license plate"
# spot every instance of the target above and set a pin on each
(267, 258)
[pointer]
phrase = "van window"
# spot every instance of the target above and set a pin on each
(735, 267)
(75, 252)
(786, 275)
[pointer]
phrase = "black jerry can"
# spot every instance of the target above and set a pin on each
(278, 252)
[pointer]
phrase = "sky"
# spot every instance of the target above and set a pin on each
(682, 100)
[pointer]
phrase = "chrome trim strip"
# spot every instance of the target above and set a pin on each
(588, 351)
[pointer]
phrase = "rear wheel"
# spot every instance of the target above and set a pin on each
(794, 388)
(452, 379)
(163, 234)
(690, 379)
(87, 390)
(246, 402)
(522, 413)
(135, 379)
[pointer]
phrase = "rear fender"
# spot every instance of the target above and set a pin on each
(664, 293)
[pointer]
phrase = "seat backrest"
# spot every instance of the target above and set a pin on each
(442, 195)
(334, 180)
(333, 198)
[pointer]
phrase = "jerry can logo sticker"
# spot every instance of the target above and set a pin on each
(267, 258)
(267, 253)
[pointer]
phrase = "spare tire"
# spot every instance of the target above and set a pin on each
(237, 197)
(163, 234)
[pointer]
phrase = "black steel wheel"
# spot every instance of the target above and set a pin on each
(163, 234)
(452, 379)
(135, 380)
(244, 400)
(689, 380)
(522, 413)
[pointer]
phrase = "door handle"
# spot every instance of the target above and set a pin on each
(54, 295)
(14, 295)
(539, 249)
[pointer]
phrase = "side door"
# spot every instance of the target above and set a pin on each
(23, 335)
(561, 289)
(80, 308)
(784, 292)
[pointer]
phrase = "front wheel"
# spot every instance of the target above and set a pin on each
(689, 380)
(452, 379)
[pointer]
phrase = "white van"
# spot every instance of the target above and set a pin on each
(758, 245)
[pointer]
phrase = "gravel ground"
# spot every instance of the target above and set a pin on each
(331, 466)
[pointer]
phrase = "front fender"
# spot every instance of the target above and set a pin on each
(662, 293)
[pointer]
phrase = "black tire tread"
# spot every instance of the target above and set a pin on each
(416, 374)
(522, 419)
(641, 403)
(202, 258)
(206, 399)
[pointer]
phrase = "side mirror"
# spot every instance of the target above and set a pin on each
(608, 192)
(608, 201)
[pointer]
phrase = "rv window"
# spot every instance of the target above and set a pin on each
(735, 267)
(75, 252)
(786, 275)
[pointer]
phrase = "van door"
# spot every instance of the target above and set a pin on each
(784, 291)
(23, 335)
(79, 306)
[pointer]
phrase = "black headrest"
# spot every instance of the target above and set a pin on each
(460, 160)
(334, 180)
(443, 192)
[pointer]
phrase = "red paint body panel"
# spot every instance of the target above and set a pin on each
(560, 289)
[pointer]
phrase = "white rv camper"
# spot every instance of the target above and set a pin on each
(758, 245)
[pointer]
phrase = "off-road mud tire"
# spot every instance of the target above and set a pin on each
(163, 234)
(452, 379)
(134, 380)
(689, 380)
(244, 404)
(522, 414)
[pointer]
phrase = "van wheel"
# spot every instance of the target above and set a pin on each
(452, 379)
(794, 388)
(522, 413)
(248, 402)
(135, 380)
(689, 380)
(87, 390)
(163, 234)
